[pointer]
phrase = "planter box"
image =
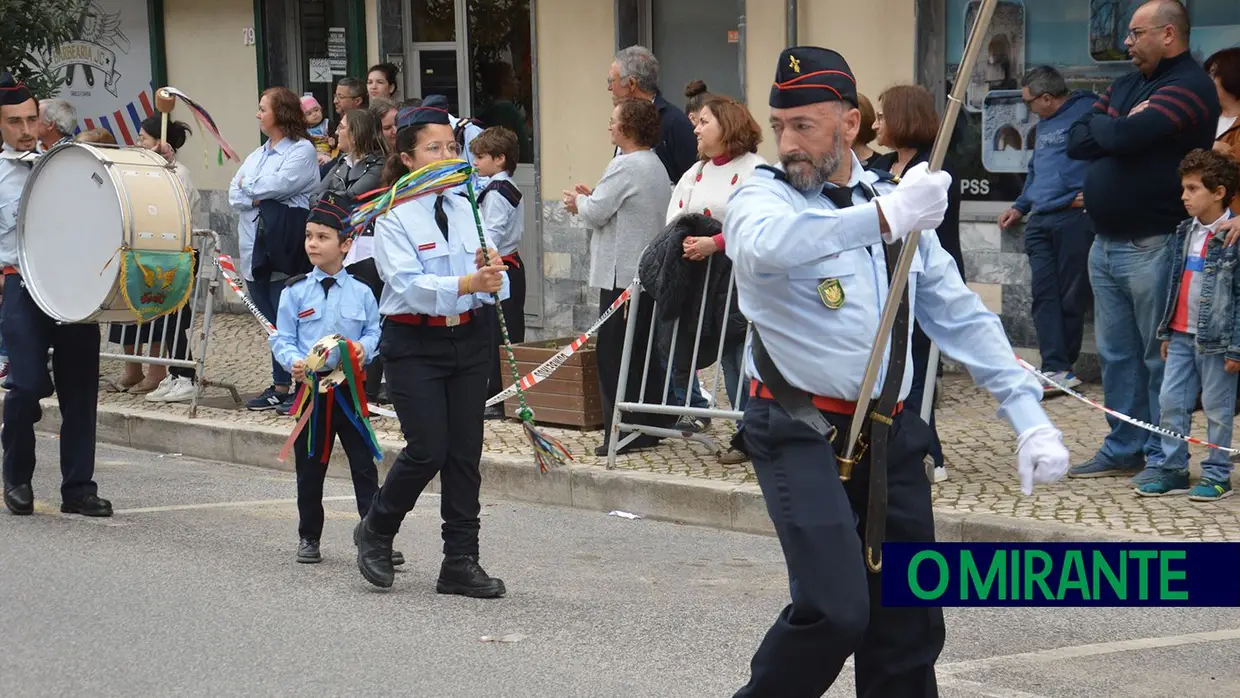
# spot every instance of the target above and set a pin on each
(570, 397)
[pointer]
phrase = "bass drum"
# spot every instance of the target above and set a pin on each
(82, 206)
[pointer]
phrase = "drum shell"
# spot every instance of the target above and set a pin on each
(81, 206)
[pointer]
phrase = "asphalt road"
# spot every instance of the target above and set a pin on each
(191, 589)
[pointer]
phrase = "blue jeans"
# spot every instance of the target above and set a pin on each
(1130, 280)
(266, 295)
(1058, 247)
(1187, 373)
(733, 364)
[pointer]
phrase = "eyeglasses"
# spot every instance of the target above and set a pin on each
(1137, 33)
(437, 149)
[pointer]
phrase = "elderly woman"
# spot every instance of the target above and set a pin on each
(282, 170)
(624, 212)
(907, 123)
(728, 139)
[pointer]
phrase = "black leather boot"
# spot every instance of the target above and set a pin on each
(90, 505)
(308, 551)
(374, 555)
(19, 499)
(462, 575)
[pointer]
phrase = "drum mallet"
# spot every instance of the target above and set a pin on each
(164, 103)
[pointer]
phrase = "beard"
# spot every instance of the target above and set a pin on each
(820, 168)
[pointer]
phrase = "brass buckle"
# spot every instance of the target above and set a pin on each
(452, 320)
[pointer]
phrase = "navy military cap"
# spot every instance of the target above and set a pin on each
(332, 210)
(810, 75)
(432, 110)
(13, 92)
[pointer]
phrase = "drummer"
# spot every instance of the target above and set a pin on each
(29, 333)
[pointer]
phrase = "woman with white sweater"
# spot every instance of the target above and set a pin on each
(624, 212)
(728, 139)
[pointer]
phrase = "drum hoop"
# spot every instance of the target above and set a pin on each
(122, 196)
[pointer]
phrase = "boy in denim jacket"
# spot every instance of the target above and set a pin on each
(1200, 331)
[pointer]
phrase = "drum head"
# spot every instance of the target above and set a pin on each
(70, 232)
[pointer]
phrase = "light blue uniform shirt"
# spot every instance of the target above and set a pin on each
(504, 223)
(287, 173)
(471, 132)
(784, 243)
(307, 315)
(420, 270)
(13, 176)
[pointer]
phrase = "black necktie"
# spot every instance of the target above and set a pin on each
(327, 282)
(840, 196)
(441, 217)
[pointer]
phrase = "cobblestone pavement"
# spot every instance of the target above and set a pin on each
(979, 449)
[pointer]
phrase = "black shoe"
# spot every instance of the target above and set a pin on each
(19, 499)
(308, 551)
(374, 555)
(90, 505)
(398, 558)
(462, 575)
(493, 412)
(641, 442)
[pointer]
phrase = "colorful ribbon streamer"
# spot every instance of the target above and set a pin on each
(432, 179)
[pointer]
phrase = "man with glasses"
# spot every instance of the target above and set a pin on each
(1133, 140)
(1059, 233)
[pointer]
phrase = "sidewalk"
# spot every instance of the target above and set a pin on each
(680, 480)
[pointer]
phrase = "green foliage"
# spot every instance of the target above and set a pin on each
(29, 30)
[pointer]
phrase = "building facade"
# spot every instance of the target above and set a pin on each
(540, 66)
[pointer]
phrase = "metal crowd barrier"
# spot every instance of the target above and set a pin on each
(160, 347)
(623, 406)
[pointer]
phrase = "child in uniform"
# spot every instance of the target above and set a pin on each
(1200, 331)
(324, 302)
(496, 152)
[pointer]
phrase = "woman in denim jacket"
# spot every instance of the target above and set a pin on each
(1200, 331)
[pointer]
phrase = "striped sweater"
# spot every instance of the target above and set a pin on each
(1132, 185)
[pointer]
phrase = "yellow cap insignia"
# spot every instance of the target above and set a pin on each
(794, 64)
(831, 293)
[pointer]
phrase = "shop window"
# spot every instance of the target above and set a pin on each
(502, 68)
(434, 21)
(1084, 39)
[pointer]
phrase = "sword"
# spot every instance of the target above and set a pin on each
(900, 277)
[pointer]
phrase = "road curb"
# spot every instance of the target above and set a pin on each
(673, 498)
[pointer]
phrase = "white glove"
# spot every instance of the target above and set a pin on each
(918, 203)
(1041, 457)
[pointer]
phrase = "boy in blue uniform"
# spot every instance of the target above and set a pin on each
(324, 302)
(496, 152)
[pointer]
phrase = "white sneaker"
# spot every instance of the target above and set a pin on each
(157, 395)
(181, 390)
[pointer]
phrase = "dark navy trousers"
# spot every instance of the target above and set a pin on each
(1058, 245)
(836, 608)
(28, 334)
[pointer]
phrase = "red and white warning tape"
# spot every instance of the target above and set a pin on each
(1120, 416)
(228, 270)
(544, 371)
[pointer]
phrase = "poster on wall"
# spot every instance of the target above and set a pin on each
(1002, 60)
(1108, 29)
(1008, 132)
(106, 68)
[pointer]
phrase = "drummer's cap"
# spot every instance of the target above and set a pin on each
(811, 75)
(13, 92)
(332, 210)
(432, 110)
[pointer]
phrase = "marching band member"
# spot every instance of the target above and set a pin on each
(436, 348)
(807, 239)
(29, 333)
